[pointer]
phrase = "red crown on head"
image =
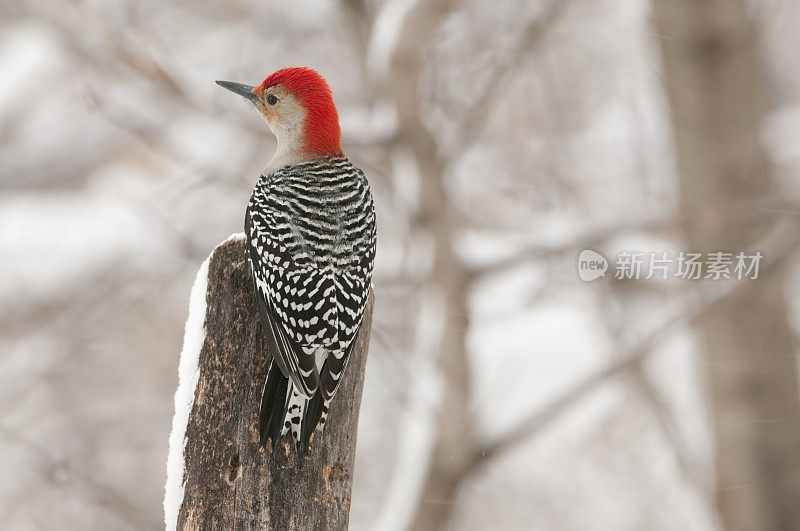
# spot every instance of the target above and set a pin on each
(322, 133)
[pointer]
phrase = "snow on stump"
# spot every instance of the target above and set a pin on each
(217, 478)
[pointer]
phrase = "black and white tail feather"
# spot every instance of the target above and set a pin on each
(311, 248)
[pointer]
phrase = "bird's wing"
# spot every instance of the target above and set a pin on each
(296, 300)
(303, 305)
(353, 286)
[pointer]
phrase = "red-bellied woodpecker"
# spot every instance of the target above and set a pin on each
(310, 228)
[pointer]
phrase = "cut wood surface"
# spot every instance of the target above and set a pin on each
(229, 482)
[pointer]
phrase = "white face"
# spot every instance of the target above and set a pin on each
(285, 116)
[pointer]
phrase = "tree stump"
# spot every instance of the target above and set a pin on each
(228, 482)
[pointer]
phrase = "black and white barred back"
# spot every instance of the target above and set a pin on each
(311, 240)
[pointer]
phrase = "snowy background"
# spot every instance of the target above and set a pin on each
(123, 165)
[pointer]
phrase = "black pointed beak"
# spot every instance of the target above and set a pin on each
(246, 91)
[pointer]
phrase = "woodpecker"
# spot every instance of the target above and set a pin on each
(311, 234)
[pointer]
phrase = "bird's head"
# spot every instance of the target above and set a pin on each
(298, 106)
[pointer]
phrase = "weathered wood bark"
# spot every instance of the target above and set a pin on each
(716, 91)
(229, 483)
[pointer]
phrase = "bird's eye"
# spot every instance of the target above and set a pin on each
(271, 99)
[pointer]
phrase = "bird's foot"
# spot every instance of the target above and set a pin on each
(237, 267)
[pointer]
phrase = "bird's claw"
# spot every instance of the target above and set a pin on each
(237, 267)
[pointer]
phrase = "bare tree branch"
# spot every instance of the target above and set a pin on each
(476, 117)
(779, 244)
(107, 494)
(594, 237)
(728, 214)
(669, 429)
(616, 325)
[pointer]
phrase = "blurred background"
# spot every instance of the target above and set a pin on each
(500, 139)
